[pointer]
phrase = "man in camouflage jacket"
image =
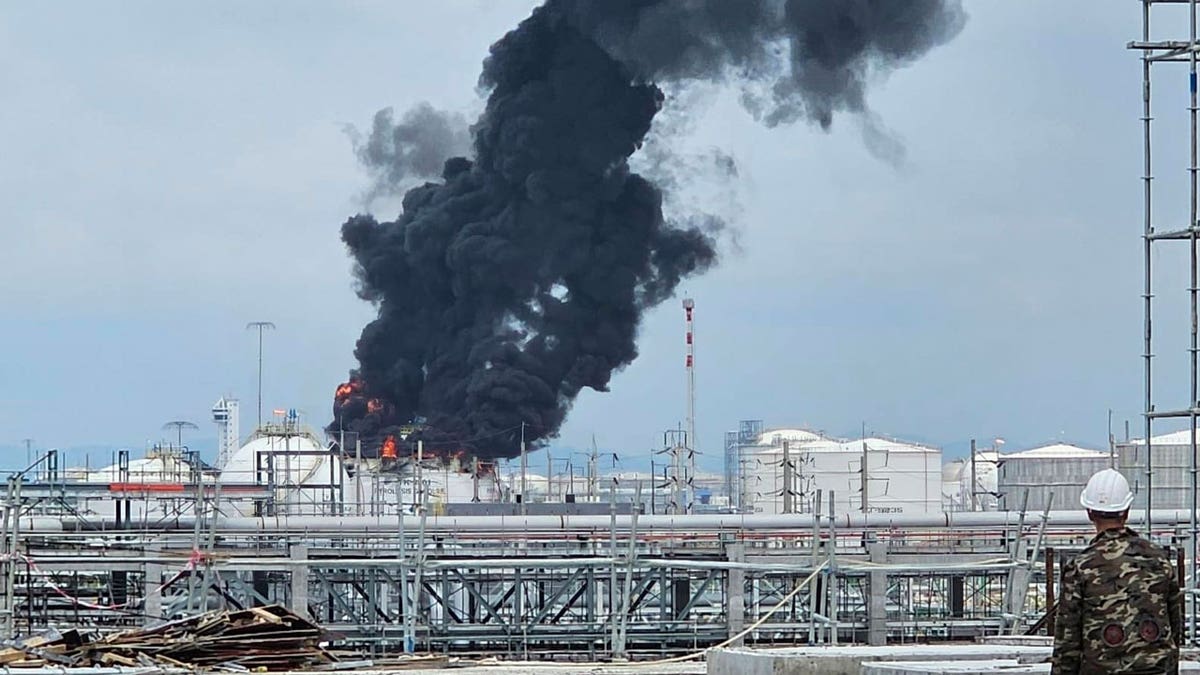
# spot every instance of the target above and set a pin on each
(1120, 608)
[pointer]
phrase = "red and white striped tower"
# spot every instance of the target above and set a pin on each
(688, 306)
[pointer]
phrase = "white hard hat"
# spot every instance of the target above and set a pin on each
(1106, 491)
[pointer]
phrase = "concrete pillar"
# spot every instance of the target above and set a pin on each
(735, 592)
(152, 592)
(299, 594)
(877, 583)
(152, 579)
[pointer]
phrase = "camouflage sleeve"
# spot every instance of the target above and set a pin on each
(1068, 629)
(1175, 606)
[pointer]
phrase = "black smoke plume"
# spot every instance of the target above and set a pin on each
(520, 277)
(397, 153)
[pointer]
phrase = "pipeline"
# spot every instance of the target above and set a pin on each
(581, 524)
(41, 524)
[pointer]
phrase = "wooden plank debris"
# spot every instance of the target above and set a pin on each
(261, 638)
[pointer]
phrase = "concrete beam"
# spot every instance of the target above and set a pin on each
(850, 660)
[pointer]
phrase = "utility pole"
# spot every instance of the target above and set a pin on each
(524, 471)
(974, 501)
(787, 479)
(675, 444)
(419, 490)
(592, 492)
(1112, 443)
(28, 451)
(260, 326)
(653, 486)
(865, 480)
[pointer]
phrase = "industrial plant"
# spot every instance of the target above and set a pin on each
(441, 554)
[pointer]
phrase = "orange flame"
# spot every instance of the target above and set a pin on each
(374, 406)
(388, 452)
(345, 389)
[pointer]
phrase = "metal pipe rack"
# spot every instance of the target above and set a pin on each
(540, 586)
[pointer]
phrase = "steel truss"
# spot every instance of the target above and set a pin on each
(538, 596)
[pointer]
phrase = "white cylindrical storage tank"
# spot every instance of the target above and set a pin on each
(1053, 476)
(762, 474)
(985, 473)
(952, 493)
(1171, 464)
(776, 437)
(900, 477)
(446, 483)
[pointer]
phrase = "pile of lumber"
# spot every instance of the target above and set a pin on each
(256, 639)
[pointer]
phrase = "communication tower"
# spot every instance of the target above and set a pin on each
(690, 440)
(225, 415)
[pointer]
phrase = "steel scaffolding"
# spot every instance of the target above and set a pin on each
(550, 597)
(1155, 50)
(553, 587)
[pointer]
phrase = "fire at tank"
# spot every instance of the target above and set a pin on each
(375, 432)
(414, 462)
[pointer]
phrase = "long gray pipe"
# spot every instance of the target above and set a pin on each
(41, 524)
(576, 523)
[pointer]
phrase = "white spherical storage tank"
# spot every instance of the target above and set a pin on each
(158, 466)
(900, 477)
(147, 484)
(299, 472)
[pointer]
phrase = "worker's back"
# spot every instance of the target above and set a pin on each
(1119, 611)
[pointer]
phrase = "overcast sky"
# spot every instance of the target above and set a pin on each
(171, 171)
